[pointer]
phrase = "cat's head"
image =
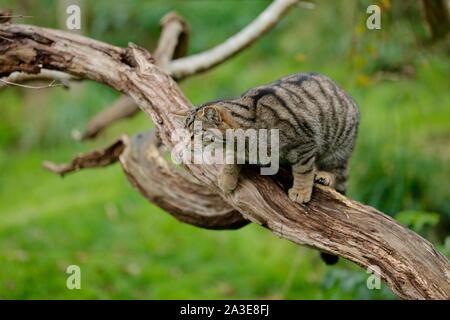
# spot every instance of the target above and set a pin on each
(205, 120)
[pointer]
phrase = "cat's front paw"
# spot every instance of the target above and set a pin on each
(227, 182)
(300, 195)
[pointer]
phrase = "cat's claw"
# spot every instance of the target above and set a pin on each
(300, 195)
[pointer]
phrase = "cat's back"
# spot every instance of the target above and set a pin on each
(307, 104)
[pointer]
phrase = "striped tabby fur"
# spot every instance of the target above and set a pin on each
(317, 122)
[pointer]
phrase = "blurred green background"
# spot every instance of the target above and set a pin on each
(128, 248)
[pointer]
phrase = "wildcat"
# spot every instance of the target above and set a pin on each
(317, 122)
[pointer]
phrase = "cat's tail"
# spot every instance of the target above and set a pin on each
(328, 258)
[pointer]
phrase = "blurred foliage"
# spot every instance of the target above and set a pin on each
(128, 248)
(418, 220)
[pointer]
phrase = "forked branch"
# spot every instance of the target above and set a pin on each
(172, 45)
(171, 188)
(184, 67)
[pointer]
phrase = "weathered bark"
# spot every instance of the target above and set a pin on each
(409, 264)
(172, 44)
(184, 67)
(20, 77)
(174, 40)
(171, 188)
(123, 107)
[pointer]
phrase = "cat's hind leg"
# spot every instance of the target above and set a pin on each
(325, 178)
(341, 175)
(334, 175)
(335, 178)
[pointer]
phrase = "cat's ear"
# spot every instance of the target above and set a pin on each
(212, 114)
(179, 117)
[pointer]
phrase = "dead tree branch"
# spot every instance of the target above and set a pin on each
(123, 107)
(172, 44)
(409, 264)
(184, 67)
(170, 188)
(174, 40)
(21, 77)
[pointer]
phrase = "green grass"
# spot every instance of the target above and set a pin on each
(129, 248)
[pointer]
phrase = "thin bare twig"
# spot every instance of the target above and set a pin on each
(5, 38)
(50, 85)
(173, 43)
(16, 16)
(6, 16)
(44, 74)
(184, 67)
